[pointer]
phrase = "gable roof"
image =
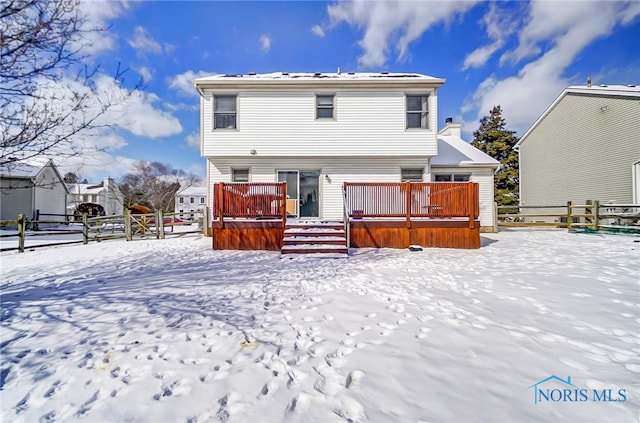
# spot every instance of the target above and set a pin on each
(195, 191)
(454, 151)
(20, 170)
(319, 79)
(600, 90)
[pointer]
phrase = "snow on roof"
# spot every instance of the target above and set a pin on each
(595, 90)
(195, 191)
(316, 76)
(454, 151)
(19, 170)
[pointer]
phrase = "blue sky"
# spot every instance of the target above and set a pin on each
(518, 54)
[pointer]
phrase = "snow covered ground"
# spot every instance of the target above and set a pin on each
(172, 331)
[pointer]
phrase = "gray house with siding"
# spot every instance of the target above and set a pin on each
(585, 146)
(25, 189)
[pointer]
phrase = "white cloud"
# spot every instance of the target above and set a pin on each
(97, 16)
(193, 140)
(145, 73)
(564, 32)
(499, 27)
(184, 81)
(396, 23)
(265, 43)
(317, 30)
(143, 42)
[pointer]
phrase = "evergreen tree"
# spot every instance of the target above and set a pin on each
(494, 139)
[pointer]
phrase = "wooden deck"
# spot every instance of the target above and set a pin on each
(251, 216)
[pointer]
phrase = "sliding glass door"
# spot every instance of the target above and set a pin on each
(303, 192)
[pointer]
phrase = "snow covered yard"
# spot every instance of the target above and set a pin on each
(170, 331)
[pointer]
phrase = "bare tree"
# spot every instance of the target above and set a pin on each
(48, 96)
(155, 184)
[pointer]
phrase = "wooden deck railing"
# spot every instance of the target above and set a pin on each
(249, 200)
(412, 200)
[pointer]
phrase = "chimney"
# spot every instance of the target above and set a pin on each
(588, 82)
(451, 129)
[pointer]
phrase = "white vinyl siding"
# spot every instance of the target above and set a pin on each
(283, 123)
(582, 150)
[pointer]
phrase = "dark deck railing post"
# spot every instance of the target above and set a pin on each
(284, 205)
(408, 203)
(221, 204)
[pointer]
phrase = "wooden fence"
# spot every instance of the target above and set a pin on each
(100, 228)
(592, 215)
(412, 200)
(256, 200)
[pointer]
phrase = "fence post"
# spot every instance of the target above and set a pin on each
(569, 216)
(596, 214)
(408, 204)
(588, 210)
(85, 229)
(21, 228)
(127, 226)
(36, 219)
(160, 224)
(205, 221)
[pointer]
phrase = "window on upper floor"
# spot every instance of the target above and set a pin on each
(418, 111)
(455, 177)
(201, 200)
(411, 175)
(181, 200)
(324, 106)
(224, 112)
(240, 175)
(192, 200)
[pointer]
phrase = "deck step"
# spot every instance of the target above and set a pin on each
(315, 239)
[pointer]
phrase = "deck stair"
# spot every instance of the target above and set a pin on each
(315, 238)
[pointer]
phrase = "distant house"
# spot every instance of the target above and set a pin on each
(316, 131)
(190, 200)
(107, 194)
(585, 146)
(31, 190)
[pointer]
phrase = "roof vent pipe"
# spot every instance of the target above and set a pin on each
(588, 82)
(448, 120)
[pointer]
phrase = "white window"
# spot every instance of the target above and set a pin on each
(324, 106)
(417, 111)
(192, 200)
(224, 112)
(201, 200)
(411, 175)
(181, 200)
(240, 175)
(455, 177)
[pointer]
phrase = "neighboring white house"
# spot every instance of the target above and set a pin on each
(32, 190)
(191, 199)
(585, 146)
(318, 130)
(107, 194)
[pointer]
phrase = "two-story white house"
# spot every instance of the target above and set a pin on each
(318, 130)
(190, 200)
(107, 194)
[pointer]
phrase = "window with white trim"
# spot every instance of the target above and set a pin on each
(181, 200)
(452, 177)
(201, 200)
(192, 200)
(240, 175)
(224, 112)
(418, 111)
(324, 106)
(411, 175)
